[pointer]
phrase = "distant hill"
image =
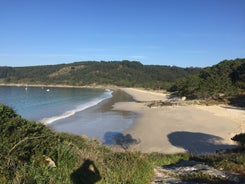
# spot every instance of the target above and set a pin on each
(226, 79)
(120, 73)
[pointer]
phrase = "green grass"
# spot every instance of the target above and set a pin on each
(227, 161)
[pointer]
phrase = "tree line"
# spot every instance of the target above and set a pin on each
(225, 79)
(120, 73)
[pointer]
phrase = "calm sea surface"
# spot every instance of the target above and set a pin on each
(70, 110)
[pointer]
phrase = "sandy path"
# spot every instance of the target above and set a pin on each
(197, 129)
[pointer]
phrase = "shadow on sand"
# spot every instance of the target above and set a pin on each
(238, 101)
(117, 138)
(86, 174)
(198, 143)
(233, 107)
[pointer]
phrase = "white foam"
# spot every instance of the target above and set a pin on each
(107, 94)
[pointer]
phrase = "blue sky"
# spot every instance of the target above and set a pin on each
(161, 32)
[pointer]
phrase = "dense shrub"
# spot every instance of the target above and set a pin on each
(225, 79)
(240, 139)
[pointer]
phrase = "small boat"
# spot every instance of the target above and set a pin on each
(48, 90)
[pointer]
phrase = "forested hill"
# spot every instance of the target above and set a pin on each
(120, 73)
(226, 79)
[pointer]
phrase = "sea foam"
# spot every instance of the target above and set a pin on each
(107, 94)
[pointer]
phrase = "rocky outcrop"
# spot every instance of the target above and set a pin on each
(169, 102)
(192, 172)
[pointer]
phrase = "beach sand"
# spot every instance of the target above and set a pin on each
(174, 129)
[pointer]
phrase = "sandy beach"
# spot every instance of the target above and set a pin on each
(186, 128)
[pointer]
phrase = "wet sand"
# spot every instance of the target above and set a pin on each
(188, 128)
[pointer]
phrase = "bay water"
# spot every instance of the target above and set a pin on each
(73, 110)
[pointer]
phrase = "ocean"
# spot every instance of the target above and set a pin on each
(79, 111)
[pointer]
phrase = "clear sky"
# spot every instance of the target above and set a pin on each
(162, 32)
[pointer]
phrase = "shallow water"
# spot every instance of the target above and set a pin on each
(72, 110)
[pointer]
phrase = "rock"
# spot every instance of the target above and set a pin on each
(91, 168)
(164, 178)
(155, 104)
(50, 162)
(170, 174)
(84, 137)
(170, 102)
(221, 94)
(183, 98)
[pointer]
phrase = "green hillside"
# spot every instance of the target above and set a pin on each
(224, 80)
(120, 73)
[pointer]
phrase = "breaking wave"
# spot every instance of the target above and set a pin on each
(107, 94)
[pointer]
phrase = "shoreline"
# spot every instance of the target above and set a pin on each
(176, 129)
(112, 122)
(103, 125)
(59, 86)
(196, 129)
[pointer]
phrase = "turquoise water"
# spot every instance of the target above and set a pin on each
(67, 109)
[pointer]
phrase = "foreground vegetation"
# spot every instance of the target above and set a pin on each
(26, 145)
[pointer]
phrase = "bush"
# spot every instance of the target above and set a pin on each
(240, 139)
